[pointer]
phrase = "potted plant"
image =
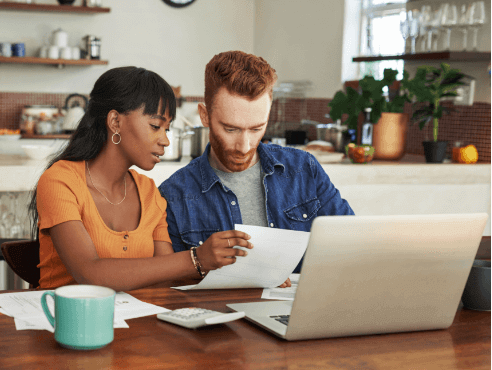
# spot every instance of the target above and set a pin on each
(389, 133)
(430, 85)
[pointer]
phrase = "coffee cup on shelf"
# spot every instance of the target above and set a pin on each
(75, 53)
(53, 52)
(66, 53)
(43, 51)
(18, 49)
(6, 48)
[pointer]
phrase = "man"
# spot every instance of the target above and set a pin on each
(238, 179)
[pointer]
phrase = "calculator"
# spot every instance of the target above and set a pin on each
(194, 317)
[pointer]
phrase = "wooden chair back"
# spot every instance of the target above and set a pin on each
(23, 258)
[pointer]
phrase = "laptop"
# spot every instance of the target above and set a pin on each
(376, 274)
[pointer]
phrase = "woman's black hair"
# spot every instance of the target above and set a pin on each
(124, 89)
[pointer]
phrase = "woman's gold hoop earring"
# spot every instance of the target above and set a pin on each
(112, 138)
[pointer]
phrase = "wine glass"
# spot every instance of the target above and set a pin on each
(414, 17)
(449, 18)
(477, 19)
(425, 19)
(404, 28)
(464, 22)
(434, 29)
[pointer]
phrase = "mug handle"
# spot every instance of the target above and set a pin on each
(46, 310)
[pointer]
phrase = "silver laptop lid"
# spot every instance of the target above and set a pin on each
(380, 274)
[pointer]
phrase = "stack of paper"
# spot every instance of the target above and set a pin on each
(27, 312)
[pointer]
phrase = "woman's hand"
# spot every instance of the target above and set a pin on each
(287, 284)
(218, 251)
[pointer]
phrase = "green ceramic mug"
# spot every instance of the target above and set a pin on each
(84, 316)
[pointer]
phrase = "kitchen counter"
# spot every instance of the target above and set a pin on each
(19, 173)
(408, 186)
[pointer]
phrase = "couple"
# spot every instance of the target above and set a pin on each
(102, 223)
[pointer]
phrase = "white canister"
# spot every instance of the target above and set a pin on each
(43, 51)
(53, 52)
(66, 53)
(75, 53)
(60, 38)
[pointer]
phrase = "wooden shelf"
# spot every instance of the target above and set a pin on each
(464, 56)
(52, 8)
(54, 136)
(35, 60)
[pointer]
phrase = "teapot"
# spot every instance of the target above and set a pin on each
(74, 113)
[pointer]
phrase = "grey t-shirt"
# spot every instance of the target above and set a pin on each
(248, 188)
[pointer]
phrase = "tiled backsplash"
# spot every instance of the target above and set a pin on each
(11, 104)
(468, 124)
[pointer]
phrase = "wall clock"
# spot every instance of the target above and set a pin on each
(178, 3)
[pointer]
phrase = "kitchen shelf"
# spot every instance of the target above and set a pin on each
(53, 136)
(52, 8)
(464, 56)
(35, 60)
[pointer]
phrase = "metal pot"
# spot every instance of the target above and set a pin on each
(173, 151)
(199, 141)
(333, 134)
(330, 132)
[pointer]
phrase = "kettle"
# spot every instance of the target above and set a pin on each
(74, 112)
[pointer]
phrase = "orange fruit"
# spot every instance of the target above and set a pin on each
(468, 154)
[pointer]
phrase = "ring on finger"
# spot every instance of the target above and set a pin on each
(228, 242)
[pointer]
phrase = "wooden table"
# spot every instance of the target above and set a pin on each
(152, 344)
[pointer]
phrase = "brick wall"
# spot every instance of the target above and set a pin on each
(468, 124)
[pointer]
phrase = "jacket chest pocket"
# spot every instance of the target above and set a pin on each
(195, 238)
(303, 212)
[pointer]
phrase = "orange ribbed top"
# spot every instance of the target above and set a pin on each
(63, 195)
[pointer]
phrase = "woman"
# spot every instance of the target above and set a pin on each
(99, 222)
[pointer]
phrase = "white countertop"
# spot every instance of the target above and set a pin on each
(19, 173)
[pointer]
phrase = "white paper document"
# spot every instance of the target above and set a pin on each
(275, 255)
(3, 312)
(284, 294)
(128, 307)
(24, 305)
(25, 308)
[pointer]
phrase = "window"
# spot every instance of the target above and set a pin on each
(380, 35)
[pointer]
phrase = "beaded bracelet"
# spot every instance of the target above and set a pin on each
(196, 262)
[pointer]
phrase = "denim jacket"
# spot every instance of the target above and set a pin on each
(297, 189)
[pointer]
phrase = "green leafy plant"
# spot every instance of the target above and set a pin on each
(370, 95)
(430, 85)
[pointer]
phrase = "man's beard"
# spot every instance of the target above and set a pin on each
(233, 160)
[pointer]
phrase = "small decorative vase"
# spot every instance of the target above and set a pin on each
(390, 136)
(434, 151)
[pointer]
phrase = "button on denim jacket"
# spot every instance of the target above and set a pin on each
(297, 189)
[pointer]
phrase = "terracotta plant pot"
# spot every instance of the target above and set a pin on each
(434, 151)
(390, 136)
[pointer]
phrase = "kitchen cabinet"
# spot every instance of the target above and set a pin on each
(13, 6)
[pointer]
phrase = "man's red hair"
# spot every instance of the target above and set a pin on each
(240, 73)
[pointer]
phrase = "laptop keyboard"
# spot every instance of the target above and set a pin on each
(284, 319)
